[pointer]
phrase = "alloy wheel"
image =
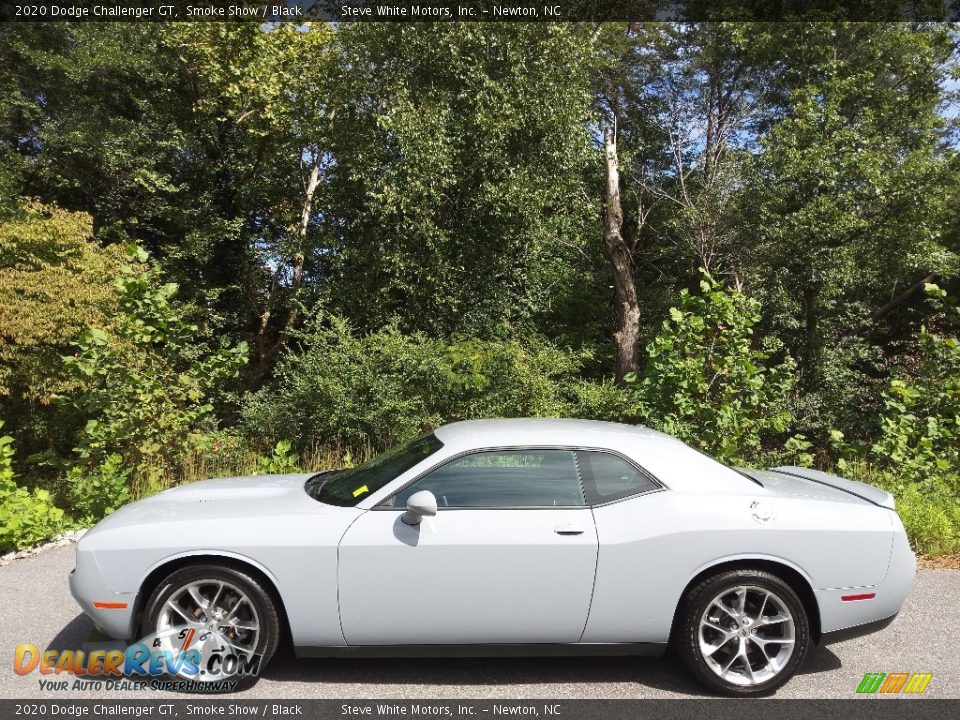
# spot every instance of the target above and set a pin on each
(220, 615)
(746, 635)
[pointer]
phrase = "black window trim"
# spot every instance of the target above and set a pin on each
(659, 486)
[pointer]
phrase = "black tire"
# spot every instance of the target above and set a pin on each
(693, 608)
(259, 597)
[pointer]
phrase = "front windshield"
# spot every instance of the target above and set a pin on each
(348, 487)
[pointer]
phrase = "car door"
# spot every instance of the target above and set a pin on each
(509, 558)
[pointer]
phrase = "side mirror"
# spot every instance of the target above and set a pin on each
(420, 505)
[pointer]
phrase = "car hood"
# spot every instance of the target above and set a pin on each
(251, 487)
(226, 498)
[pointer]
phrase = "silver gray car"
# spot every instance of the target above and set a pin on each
(524, 536)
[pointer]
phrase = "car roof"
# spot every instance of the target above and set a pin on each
(674, 463)
(507, 432)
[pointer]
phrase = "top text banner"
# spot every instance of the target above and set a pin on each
(300, 11)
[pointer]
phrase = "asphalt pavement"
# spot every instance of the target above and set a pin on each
(36, 607)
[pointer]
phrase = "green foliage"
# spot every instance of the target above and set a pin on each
(379, 388)
(187, 139)
(920, 427)
(54, 282)
(148, 382)
(931, 517)
(459, 175)
(26, 517)
(280, 460)
(916, 456)
(844, 202)
(97, 492)
(438, 189)
(796, 451)
(706, 382)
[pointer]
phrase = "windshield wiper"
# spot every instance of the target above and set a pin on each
(315, 484)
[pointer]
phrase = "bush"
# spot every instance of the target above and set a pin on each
(147, 380)
(95, 494)
(931, 518)
(920, 428)
(354, 390)
(281, 460)
(917, 454)
(25, 517)
(345, 388)
(706, 381)
(55, 280)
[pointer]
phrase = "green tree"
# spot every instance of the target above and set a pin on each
(260, 127)
(677, 104)
(458, 183)
(202, 142)
(843, 207)
(54, 282)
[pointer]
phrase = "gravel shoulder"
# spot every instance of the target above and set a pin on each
(36, 607)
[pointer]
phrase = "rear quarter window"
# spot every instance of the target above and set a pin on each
(608, 477)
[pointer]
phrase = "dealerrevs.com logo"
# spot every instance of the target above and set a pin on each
(894, 683)
(186, 659)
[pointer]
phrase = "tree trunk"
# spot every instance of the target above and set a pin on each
(809, 368)
(265, 349)
(263, 324)
(627, 329)
(298, 257)
(900, 299)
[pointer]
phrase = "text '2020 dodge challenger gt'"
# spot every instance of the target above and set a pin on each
(527, 536)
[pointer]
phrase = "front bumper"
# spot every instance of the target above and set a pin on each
(112, 612)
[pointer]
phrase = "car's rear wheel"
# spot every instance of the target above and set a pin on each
(224, 614)
(742, 632)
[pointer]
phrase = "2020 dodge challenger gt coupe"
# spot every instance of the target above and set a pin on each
(527, 536)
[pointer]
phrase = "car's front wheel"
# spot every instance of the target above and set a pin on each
(224, 615)
(742, 632)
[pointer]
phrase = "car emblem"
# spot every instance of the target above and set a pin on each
(762, 512)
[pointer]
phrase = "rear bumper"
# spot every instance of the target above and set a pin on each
(111, 612)
(835, 636)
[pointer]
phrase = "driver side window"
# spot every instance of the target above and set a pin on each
(503, 479)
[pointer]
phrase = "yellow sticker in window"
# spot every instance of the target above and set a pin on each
(361, 490)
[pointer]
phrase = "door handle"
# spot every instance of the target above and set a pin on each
(568, 529)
